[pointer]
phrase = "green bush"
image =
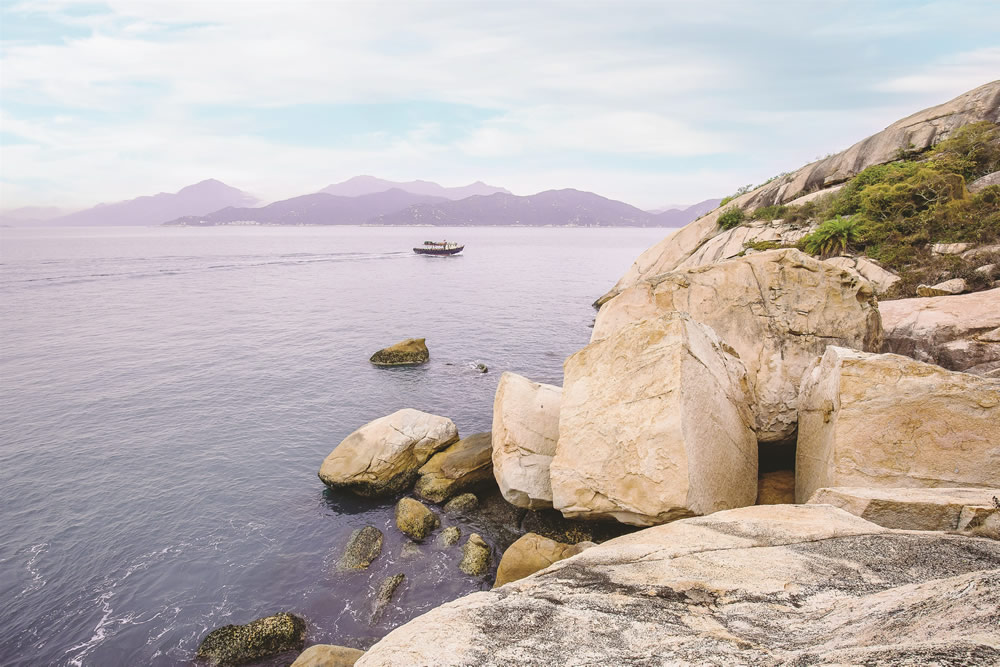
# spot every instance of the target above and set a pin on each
(732, 217)
(835, 235)
(772, 212)
(972, 151)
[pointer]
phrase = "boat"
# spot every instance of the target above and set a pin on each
(439, 248)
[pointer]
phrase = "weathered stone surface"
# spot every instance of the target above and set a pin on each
(383, 456)
(414, 519)
(920, 130)
(960, 333)
(953, 286)
(880, 278)
(476, 556)
(984, 182)
(654, 426)
(383, 596)
(525, 430)
(463, 502)
(950, 248)
(460, 466)
(778, 309)
(981, 521)
(776, 488)
(238, 644)
(409, 352)
(884, 420)
(733, 242)
(363, 547)
(450, 536)
(532, 553)
(328, 655)
(908, 509)
(774, 585)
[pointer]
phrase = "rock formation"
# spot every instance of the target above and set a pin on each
(449, 472)
(911, 509)
(525, 430)
(414, 519)
(237, 644)
(382, 457)
(654, 426)
(363, 547)
(884, 420)
(532, 553)
(409, 352)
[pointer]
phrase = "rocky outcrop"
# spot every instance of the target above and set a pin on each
(476, 556)
(916, 132)
(532, 553)
(737, 242)
(363, 547)
(409, 352)
(525, 430)
(384, 594)
(239, 644)
(884, 420)
(776, 488)
(414, 519)
(460, 466)
(960, 333)
(910, 509)
(778, 309)
(780, 584)
(654, 426)
(953, 286)
(382, 457)
(328, 655)
(881, 279)
(986, 181)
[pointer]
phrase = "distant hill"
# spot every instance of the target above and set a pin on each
(365, 185)
(316, 209)
(197, 199)
(678, 217)
(29, 215)
(560, 208)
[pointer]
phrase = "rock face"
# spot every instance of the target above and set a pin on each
(532, 553)
(776, 488)
(654, 426)
(382, 457)
(414, 519)
(409, 352)
(986, 181)
(778, 309)
(475, 556)
(910, 509)
(238, 644)
(363, 547)
(883, 420)
(960, 333)
(783, 584)
(328, 655)
(953, 286)
(525, 430)
(881, 279)
(464, 464)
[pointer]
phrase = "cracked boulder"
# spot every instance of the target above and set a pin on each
(777, 585)
(654, 426)
(777, 309)
(382, 457)
(884, 420)
(457, 468)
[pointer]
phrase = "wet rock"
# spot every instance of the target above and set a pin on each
(450, 536)
(409, 352)
(363, 547)
(383, 596)
(910, 509)
(328, 655)
(776, 488)
(553, 525)
(461, 466)
(475, 556)
(482, 368)
(409, 550)
(239, 644)
(414, 519)
(532, 553)
(463, 502)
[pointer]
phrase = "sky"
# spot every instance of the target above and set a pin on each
(652, 103)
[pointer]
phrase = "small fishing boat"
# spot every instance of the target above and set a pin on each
(439, 248)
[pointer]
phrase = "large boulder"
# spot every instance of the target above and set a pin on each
(910, 509)
(960, 333)
(382, 457)
(525, 430)
(328, 655)
(884, 420)
(239, 644)
(654, 426)
(532, 553)
(778, 309)
(449, 472)
(776, 585)
(409, 352)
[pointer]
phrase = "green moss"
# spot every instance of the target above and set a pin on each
(763, 245)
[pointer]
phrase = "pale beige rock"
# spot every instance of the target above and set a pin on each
(532, 553)
(460, 466)
(769, 585)
(776, 488)
(733, 242)
(960, 333)
(778, 309)
(920, 130)
(980, 251)
(950, 248)
(884, 420)
(984, 182)
(525, 430)
(880, 278)
(383, 456)
(953, 286)
(906, 508)
(654, 426)
(328, 655)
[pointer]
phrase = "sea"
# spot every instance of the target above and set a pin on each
(167, 395)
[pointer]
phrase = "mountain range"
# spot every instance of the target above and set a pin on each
(366, 185)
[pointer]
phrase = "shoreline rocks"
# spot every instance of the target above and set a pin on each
(476, 556)
(363, 547)
(328, 655)
(913, 509)
(410, 352)
(532, 553)
(264, 637)
(414, 519)
(457, 468)
(384, 595)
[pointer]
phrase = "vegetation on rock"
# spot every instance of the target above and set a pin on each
(732, 217)
(239, 644)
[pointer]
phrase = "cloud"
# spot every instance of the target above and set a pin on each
(949, 76)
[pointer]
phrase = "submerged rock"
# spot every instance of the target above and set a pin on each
(363, 547)
(409, 352)
(238, 644)
(459, 467)
(532, 553)
(328, 655)
(383, 596)
(414, 519)
(450, 536)
(781, 584)
(382, 457)
(463, 502)
(475, 556)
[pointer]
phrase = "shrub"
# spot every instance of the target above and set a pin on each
(972, 151)
(835, 235)
(731, 217)
(772, 212)
(763, 245)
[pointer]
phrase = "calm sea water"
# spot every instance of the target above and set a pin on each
(168, 395)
